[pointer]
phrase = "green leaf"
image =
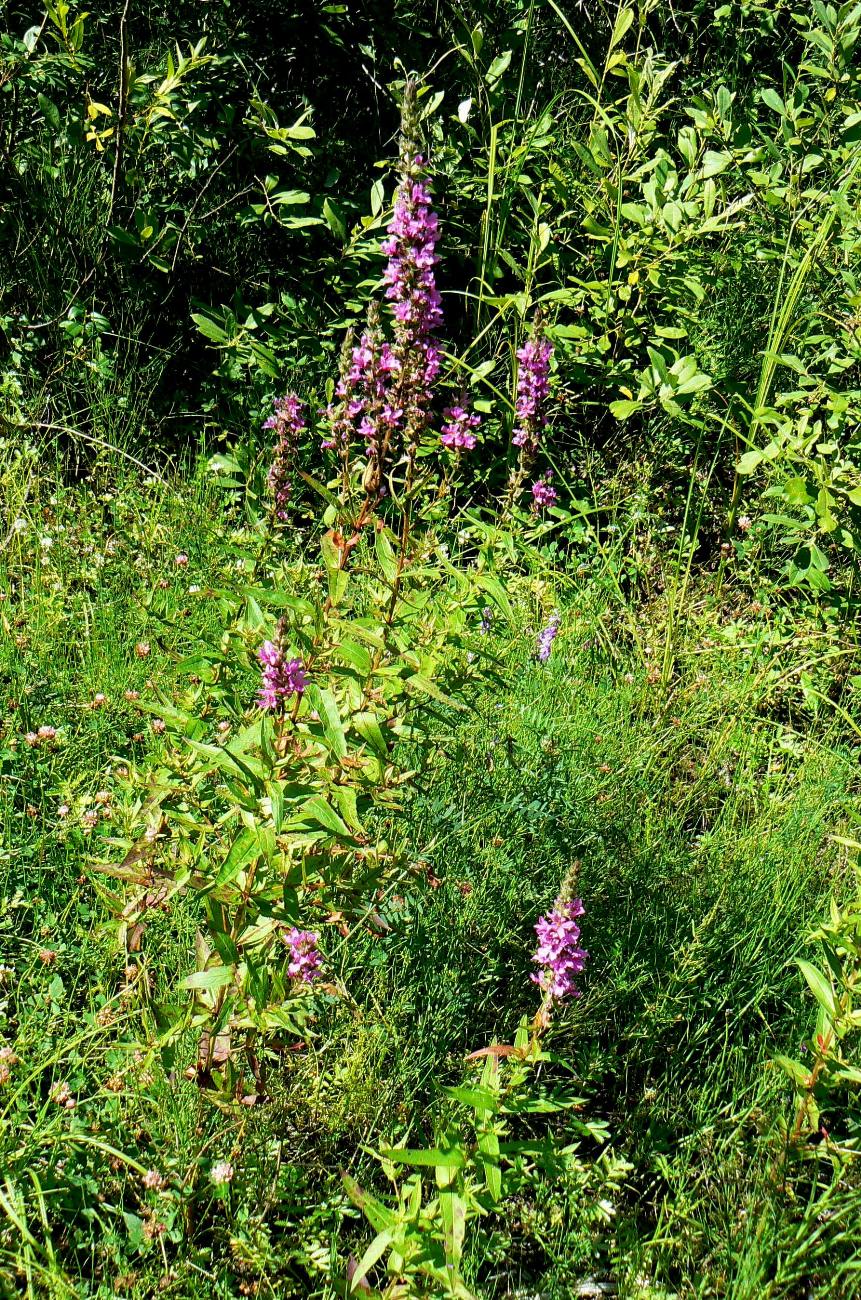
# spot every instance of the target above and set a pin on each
(378, 1247)
(714, 163)
(498, 67)
(771, 99)
(820, 987)
(453, 1215)
(623, 409)
(215, 978)
(419, 682)
(624, 18)
(334, 219)
(796, 1071)
(317, 810)
(209, 329)
(386, 555)
(430, 1157)
(377, 1214)
(749, 461)
(333, 727)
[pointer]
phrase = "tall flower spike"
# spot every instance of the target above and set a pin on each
(288, 424)
(416, 304)
(559, 953)
(533, 386)
(340, 414)
(530, 408)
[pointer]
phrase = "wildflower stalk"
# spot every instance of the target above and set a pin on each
(530, 414)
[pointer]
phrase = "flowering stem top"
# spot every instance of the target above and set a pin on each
(530, 408)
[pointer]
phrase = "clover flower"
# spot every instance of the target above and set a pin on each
(280, 677)
(559, 953)
(543, 493)
(457, 431)
(288, 424)
(221, 1173)
(305, 957)
(547, 636)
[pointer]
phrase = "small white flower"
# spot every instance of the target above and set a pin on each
(19, 525)
(221, 1173)
(46, 542)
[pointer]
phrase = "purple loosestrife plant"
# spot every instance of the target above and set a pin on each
(543, 492)
(410, 276)
(547, 636)
(458, 431)
(559, 953)
(305, 957)
(286, 420)
(280, 677)
(530, 408)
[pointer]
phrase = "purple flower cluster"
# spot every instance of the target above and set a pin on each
(410, 248)
(533, 385)
(280, 677)
(559, 953)
(543, 492)
(486, 620)
(457, 431)
(305, 956)
(547, 636)
(416, 303)
(288, 424)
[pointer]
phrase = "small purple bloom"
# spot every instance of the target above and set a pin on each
(547, 636)
(559, 953)
(486, 620)
(457, 432)
(305, 957)
(543, 493)
(280, 678)
(288, 424)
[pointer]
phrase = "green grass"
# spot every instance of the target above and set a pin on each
(702, 821)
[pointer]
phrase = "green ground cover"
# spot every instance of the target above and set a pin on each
(704, 830)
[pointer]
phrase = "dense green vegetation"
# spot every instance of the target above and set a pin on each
(195, 207)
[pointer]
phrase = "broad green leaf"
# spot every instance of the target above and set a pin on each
(431, 1157)
(215, 978)
(377, 1248)
(624, 18)
(820, 987)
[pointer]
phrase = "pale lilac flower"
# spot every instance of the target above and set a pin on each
(559, 953)
(280, 677)
(457, 432)
(543, 492)
(288, 424)
(221, 1173)
(547, 636)
(153, 1181)
(305, 958)
(181, 560)
(486, 620)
